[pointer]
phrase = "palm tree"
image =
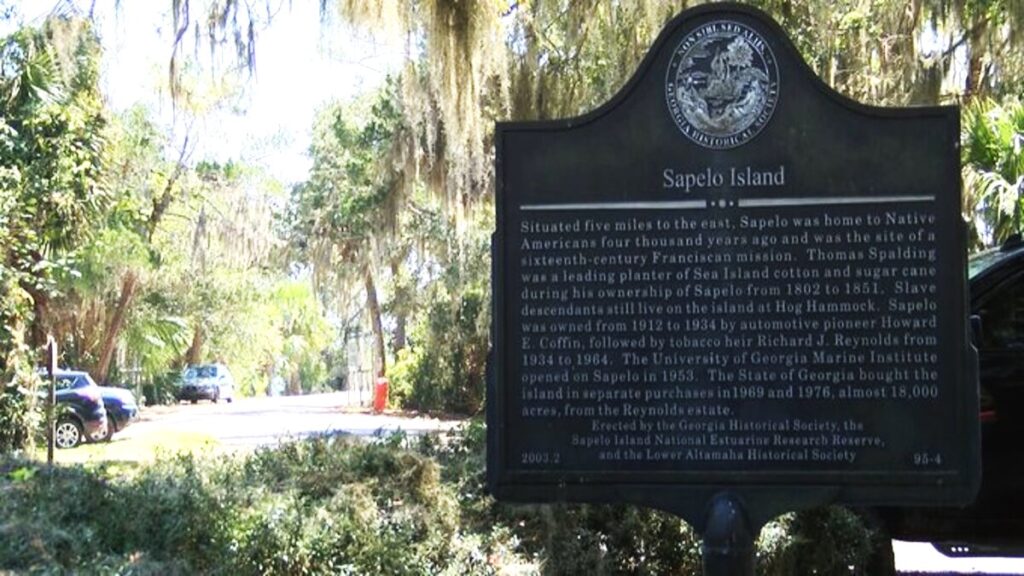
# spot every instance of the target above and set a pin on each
(993, 169)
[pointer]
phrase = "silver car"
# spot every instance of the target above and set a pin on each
(211, 382)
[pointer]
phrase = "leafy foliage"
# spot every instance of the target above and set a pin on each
(51, 138)
(443, 368)
(993, 168)
(325, 506)
(136, 259)
(827, 541)
(334, 506)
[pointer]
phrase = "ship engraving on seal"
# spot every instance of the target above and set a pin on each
(722, 84)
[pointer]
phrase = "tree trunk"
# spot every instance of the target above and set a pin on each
(162, 202)
(400, 338)
(373, 305)
(128, 284)
(976, 61)
(195, 349)
(40, 305)
(401, 317)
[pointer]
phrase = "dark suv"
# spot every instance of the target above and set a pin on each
(996, 518)
(80, 413)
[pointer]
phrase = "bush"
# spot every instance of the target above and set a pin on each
(332, 505)
(444, 368)
(21, 414)
(44, 517)
(163, 389)
(21, 418)
(826, 541)
(322, 506)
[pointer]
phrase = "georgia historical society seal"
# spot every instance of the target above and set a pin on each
(722, 84)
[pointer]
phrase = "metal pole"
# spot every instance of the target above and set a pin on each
(728, 545)
(51, 396)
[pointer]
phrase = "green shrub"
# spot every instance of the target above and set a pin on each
(826, 541)
(21, 413)
(321, 506)
(444, 368)
(45, 517)
(179, 507)
(162, 389)
(334, 505)
(21, 418)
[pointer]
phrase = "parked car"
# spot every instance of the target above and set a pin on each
(996, 518)
(80, 413)
(122, 409)
(211, 382)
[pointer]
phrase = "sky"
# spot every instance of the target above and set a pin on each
(301, 65)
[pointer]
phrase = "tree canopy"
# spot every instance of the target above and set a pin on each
(140, 257)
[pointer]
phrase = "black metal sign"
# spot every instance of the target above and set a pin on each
(730, 277)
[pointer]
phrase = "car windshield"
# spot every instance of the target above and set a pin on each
(201, 372)
(72, 380)
(69, 383)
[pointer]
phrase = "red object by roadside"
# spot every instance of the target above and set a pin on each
(380, 395)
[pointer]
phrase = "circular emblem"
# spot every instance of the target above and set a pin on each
(722, 84)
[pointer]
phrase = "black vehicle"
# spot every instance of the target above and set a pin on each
(81, 415)
(122, 409)
(996, 518)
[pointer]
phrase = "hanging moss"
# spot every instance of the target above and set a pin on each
(472, 62)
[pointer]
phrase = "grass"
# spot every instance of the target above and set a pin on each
(138, 448)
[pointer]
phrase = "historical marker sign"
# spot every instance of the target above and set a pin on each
(730, 277)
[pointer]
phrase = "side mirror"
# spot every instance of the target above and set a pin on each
(975, 329)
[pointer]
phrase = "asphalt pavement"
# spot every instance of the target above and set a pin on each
(254, 422)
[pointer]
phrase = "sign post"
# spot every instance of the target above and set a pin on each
(51, 395)
(731, 292)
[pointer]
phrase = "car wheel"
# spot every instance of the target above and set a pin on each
(67, 434)
(215, 398)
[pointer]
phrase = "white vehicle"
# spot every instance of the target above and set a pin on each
(211, 382)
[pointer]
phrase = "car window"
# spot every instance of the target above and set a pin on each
(1002, 317)
(982, 261)
(205, 371)
(66, 383)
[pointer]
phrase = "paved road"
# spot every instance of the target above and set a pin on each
(252, 422)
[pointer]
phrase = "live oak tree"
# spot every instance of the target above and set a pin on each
(344, 214)
(471, 63)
